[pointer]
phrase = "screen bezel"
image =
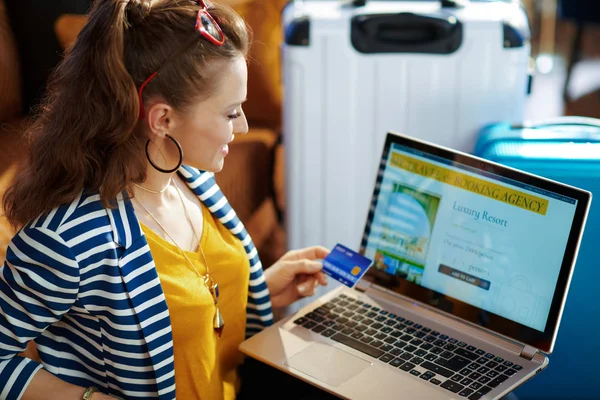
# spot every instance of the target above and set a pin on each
(543, 341)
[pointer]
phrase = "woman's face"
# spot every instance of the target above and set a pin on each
(205, 129)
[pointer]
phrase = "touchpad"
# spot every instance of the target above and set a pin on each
(327, 363)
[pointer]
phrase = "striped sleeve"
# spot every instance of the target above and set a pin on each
(39, 282)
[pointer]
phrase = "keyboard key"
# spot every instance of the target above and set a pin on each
(466, 392)
(329, 323)
(390, 340)
(348, 331)
(410, 348)
(450, 347)
(430, 339)
(357, 335)
(435, 333)
(351, 324)
(435, 381)
(426, 330)
(390, 322)
(466, 354)
(383, 312)
(400, 344)
(396, 334)
(393, 316)
(498, 359)
(407, 366)
(376, 343)
(417, 360)
(406, 356)
(461, 344)
(420, 334)
(399, 319)
(489, 355)
(370, 332)
(452, 340)
(396, 362)
(427, 375)
(420, 353)
(426, 346)
(497, 381)
(430, 357)
(342, 320)
(310, 324)
(360, 328)
(328, 332)
(491, 364)
(507, 363)
(517, 367)
(386, 329)
(492, 374)
(386, 358)
(457, 378)
(465, 371)
(415, 372)
(348, 314)
(396, 351)
(318, 328)
(475, 385)
(437, 350)
(440, 343)
(446, 354)
(466, 381)
(437, 369)
(456, 363)
(416, 342)
(410, 331)
(473, 366)
(300, 320)
(452, 386)
(367, 305)
(366, 339)
(408, 322)
(471, 348)
(475, 375)
(510, 372)
(357, 345)
(484, 379)
(444, 337)
(483, 370)
(375, 309)
(417, 326)
(376, 325)
(480, 352)
(385, 347)
(380, 336)
(407, 338)
(381, 318)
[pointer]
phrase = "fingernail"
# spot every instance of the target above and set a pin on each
(301, 289)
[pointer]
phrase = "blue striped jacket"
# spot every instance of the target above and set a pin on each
(81, 281)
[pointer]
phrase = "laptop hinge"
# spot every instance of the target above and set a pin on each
(362, 285)
(528, 352)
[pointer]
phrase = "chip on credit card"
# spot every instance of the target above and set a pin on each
(345, 265)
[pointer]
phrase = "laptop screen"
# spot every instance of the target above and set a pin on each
(453, 230)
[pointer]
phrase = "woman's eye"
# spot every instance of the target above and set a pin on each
(234, 116)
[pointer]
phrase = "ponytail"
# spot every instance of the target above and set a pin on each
(84, 135)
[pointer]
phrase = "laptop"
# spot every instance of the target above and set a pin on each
(472, 262)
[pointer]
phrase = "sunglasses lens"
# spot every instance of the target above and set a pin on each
(209, 25)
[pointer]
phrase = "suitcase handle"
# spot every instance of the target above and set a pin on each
(563, 121)
(406, 33)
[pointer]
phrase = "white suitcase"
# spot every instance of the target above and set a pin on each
(431, 69)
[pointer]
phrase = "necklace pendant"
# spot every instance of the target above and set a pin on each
(218, 323)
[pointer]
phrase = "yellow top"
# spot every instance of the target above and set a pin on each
(205, 365)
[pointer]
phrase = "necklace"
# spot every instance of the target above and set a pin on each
(209, 282)
(156, 191)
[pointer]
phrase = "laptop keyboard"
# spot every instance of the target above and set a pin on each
(420, 351)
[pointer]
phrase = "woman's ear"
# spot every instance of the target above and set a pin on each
(160, 119)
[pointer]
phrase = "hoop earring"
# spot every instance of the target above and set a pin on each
(156, 167)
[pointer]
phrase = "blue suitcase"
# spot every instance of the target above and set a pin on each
(567, 150)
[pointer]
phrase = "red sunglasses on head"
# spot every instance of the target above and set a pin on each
(207, 27)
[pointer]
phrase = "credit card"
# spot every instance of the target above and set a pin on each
(345, 265)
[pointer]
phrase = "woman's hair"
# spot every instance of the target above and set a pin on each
(85, 135)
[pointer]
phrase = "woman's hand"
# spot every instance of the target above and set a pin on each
(296, 275)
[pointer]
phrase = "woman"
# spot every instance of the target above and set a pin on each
(130, 270)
